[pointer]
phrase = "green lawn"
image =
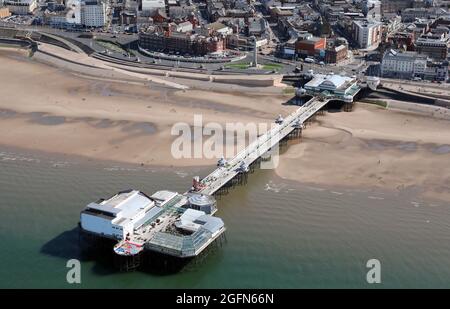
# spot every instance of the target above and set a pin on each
(376, 102)
(243, 66)
(272, 66)
(111, 46)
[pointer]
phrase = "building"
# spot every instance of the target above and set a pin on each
(118, 216)
(151, 6)
(311, 46)
(164, 222)
(336, 54)
(411, 14)
(69, 18)
(256, 26)
(401, 40)
(93, 14)
(433, 45)
(20, 7)
(395, 6)
(159, 16)
(185, 26)
(366, 33)
(77, 14)
(437, 71)
(71, 14)
(288, 49)
(371, 5)
(333, 86)
(216, 27)
(405, 65)
(4, 12)
(182, 43)
(128, 17)
(408, 65)
(277, 13)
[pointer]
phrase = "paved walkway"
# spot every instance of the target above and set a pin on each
(83, 59)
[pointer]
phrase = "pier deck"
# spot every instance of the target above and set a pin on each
(264, 143)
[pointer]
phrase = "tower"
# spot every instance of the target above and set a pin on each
(255, 51)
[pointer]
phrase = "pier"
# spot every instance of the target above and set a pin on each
(322, 89)
(240, 164)
(183, 225)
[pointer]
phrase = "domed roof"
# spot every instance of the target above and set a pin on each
(348, 98)
(201, 199)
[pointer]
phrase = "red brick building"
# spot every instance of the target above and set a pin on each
(336, 54)
(160, 17)
(310, 47)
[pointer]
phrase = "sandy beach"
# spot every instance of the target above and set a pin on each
(374, 148)
(50, 109)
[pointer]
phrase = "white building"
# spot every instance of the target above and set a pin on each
(73, 12)
(165, 222)
(20, 7)
(93, 14)
(403, 64)
(218, 28)
(410, 14)
(366, 33)
(120, 215)
(184, 27)
(333, 86)
(372, 9)
(151, 6)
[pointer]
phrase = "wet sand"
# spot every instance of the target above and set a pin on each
(49, 109)
(376, 148)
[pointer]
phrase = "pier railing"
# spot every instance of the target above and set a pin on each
(261, 145)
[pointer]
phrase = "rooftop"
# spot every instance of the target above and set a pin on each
(216, 26)
(406, 55)
(127, 203)
(332, 82)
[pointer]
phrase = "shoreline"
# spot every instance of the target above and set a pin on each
(117, 121)
(62, 161)
(129, 123)
(374, 148)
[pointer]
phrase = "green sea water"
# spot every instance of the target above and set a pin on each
(280, 234)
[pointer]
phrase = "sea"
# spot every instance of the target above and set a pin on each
(280, 234)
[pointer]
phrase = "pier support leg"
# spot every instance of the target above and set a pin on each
(348, 107)
(128, 263)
